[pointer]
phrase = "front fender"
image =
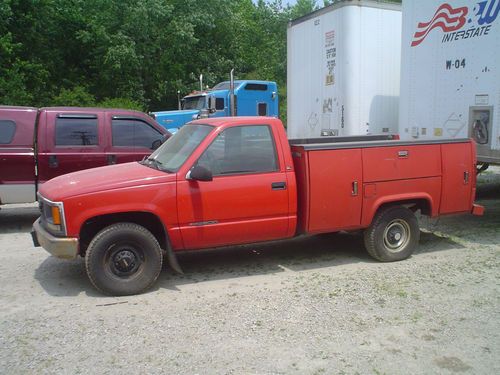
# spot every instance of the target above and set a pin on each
(159, 199)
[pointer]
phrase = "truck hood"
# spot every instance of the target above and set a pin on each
(175, 119)
(102, 179)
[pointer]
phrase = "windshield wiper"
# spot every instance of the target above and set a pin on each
(152, 162)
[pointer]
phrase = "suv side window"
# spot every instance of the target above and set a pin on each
(134, 133)
(75, 131)
(7, 131)
(241, 150)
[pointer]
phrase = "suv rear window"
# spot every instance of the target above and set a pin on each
(75, 131)
(7, 131)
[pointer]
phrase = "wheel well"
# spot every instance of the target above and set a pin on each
(414, 204)
(146, 219)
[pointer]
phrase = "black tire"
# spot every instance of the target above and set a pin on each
(393, 234)
(123, 259)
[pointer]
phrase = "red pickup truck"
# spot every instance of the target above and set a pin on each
(39, 144)
(230, 181)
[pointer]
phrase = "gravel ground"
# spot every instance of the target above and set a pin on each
(316, 305)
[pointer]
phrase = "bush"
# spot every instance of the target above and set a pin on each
(123, 103)
(75, 97)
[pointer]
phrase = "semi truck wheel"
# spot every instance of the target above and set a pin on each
(123, 259)
(393, 234)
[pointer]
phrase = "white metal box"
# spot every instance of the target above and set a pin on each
(343, 70)
(450, 79)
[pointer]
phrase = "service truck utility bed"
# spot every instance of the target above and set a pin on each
(364, 175)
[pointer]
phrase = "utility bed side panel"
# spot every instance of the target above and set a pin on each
(401, 162)
(458, 178)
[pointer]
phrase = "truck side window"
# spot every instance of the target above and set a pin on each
(7, 130)
(262, 109)
(256, 87)
(242, 149)
(76, 131)
(219, 104)
(133, 133)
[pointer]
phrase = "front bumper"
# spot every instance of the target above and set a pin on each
(65, 248)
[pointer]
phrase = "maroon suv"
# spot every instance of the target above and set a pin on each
(39, 144)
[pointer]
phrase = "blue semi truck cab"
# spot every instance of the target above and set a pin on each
(251, 98)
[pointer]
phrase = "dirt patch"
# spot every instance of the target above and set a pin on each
(309, 306)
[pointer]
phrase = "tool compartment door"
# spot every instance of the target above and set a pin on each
(457, 178)
(335, 188)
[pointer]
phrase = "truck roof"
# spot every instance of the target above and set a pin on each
(381, 4)
(224, 85)
(68, 109)
(88, 109)
(17, 108)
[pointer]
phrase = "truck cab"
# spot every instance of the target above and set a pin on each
(252, 98)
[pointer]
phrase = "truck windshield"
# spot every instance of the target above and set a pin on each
(174, 152)
(194, 102)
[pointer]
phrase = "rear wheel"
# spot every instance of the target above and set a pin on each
(123, 259)
(393, 234)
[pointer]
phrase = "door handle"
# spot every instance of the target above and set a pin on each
(111, 159)
(53, 162)
(354, 191)
(278, 186)
(466, 178)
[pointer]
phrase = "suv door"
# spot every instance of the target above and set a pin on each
(247, 200)
(73, 141)
(131, 138)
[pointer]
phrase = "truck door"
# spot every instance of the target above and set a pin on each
(130, 138)
(72, 142)
(247, 200)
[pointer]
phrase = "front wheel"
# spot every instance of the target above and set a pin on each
(393, 234)
(123, 259)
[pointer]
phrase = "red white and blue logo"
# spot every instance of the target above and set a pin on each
(459, 23)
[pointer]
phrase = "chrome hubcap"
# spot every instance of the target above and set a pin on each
(396, 235)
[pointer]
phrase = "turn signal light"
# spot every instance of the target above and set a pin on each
(56, 216)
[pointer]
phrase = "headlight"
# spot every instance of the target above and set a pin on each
(52, 215)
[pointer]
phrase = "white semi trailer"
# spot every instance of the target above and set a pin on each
(343, 70)
(450, 72)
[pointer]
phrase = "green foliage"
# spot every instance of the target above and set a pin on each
(138, 53)
(124, 103)
(75, 97)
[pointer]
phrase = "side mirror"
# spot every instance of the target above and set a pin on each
(200, 173)
(211, 104)
(156, 143)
